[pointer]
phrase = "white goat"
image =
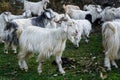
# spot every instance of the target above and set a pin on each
(108, 14)
(79, 14)
(68, 7)
(84, 28)
(45, 42)
(95, 11)
(111, 42)
(3, 23)
(11, 17)
(35, 7)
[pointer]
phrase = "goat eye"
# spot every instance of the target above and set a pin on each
(70, 25)
(76, 31)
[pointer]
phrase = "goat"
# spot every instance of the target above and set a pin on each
(111, 42)
(68, 7)
(45, 42)
(108, 14)
(79, 14)
(95, 11)
(11, 17)
(84, 29)
(35, 7)
(4, 19)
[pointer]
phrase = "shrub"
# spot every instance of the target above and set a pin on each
(5, 6)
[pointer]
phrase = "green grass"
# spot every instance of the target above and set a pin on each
(87, 64)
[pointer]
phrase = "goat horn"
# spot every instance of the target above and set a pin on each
(64, 6)
(44, 7)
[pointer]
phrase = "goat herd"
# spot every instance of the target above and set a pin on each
(47, 33)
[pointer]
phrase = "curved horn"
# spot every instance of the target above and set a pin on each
(64, 6)
(60, 20)
(44, 6)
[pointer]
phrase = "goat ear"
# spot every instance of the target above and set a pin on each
(6, 18)
(84, 7)
(48, 15)
(48, 1)
(99, 10)
(112, 13)
(67, 16)
(64, 7)
(65, 28)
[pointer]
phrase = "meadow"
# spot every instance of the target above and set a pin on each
(84, 63)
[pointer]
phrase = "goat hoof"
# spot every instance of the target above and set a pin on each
(26, 70)
(22, 69)
(108, 69)
(86, 42)
(63, 74)
(115, 66)
(14, 51)
(3, 42)
(39, 72)
(6, 52)
(76, 47)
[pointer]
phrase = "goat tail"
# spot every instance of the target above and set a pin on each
(110, 40)
(110, 26)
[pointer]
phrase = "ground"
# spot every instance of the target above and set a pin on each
(86, 63)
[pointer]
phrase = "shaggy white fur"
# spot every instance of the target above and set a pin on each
(45, 42)
(111, 43)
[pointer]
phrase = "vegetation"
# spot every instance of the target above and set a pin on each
(16, 7)
(86, 62)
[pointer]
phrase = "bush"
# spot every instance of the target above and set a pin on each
(5, 6)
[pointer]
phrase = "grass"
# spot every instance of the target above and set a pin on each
(87, 64)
